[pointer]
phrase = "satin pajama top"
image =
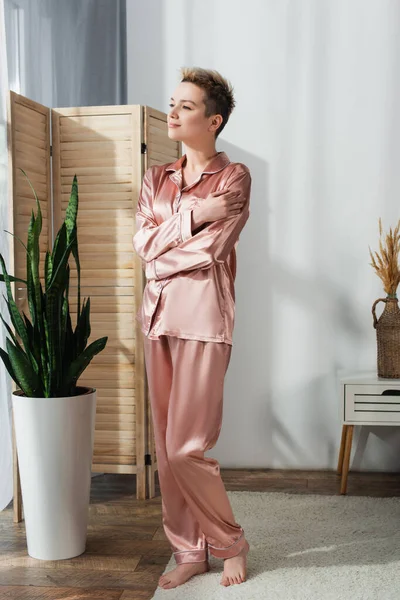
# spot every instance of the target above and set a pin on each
(190, 275)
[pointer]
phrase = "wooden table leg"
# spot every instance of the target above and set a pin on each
(17, 502)
(341, 452)
(346, 458)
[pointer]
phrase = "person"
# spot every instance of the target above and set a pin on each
(189, 217)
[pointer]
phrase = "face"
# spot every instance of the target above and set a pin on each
(186, 118)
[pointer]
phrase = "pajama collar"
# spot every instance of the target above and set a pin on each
(216, 164)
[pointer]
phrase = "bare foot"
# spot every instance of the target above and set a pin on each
(182, 573)
(235, 568)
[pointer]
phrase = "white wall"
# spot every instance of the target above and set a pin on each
(317, 121)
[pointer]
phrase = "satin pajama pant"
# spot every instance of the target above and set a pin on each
(186, 380)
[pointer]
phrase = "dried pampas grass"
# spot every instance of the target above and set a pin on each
(385, 262)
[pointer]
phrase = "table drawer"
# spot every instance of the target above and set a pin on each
(372, 404)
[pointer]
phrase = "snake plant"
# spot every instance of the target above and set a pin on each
(45, 355)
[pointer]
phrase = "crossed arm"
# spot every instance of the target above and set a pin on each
(171, 248)
(151, 239)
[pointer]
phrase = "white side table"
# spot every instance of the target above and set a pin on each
(365, 399)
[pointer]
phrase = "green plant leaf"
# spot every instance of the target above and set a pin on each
(12, 279)
(75, 254)
(33, 280)
(82, 361)
(71, 215)
(35, 259)
(45, 356)
(48, 269)
(7, 363)
(21, 365)
(82, 329)
(30, 285)
(16, 318)
(34, 286)
(60, 256)
(47, 375)
(10, 332)
(34, 346)
(63, 327)
(69, 347)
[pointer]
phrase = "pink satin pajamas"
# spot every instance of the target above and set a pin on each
(187, 318)
(186, 380)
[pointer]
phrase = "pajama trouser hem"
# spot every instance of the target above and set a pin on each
(195, 556)
(191, 556)
(229, 551)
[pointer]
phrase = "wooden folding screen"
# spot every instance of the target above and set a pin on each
(108, 148)
(29, 149)
(159, 150)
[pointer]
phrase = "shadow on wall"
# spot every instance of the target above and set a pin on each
(265, 419)
(249, 369)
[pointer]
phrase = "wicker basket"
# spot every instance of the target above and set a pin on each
(388, 337)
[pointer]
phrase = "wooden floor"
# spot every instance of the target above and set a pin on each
(126, 548)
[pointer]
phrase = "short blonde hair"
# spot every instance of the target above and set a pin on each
(219, 98)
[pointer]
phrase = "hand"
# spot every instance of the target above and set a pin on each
(218, 205)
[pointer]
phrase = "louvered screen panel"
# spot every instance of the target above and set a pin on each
(160, 150)
(29, 147)
(102, 146)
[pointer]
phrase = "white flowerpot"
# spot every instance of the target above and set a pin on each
(54, 439)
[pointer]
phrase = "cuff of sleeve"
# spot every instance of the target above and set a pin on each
(186, 225)
(151, 272)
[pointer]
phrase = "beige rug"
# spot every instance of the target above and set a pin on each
(309, 548)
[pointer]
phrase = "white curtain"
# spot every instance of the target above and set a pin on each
(5, 387)
(59, 54)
